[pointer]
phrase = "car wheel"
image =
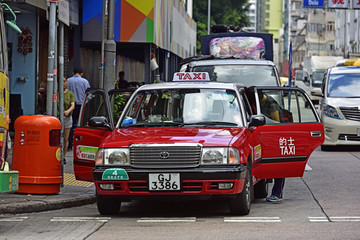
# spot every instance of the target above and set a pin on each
(108, 205)
(260, 189)
(241, 203)
(327, 147)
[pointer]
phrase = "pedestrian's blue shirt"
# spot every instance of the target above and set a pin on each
(78, 86)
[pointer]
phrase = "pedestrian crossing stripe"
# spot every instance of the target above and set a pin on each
(69, 180)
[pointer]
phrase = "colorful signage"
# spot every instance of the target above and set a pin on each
(338, 4)
(356, 4)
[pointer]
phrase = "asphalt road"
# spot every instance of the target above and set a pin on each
(323, 204)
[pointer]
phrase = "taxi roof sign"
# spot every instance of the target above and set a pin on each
(191, 76)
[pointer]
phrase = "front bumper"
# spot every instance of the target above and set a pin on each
(341, 132)
(202, 181)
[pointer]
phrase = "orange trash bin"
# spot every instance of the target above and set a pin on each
(36, 154)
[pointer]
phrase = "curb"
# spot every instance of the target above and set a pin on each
(39, 206)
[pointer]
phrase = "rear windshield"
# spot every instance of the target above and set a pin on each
(249, 75)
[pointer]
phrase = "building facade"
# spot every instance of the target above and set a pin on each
(347, 33)
(159, 29)
(312, 32)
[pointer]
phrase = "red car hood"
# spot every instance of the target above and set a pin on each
(205, 136)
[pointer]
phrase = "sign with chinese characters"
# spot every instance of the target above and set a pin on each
(313, 3)
(338, 3)
(287, 146)
(356, 4)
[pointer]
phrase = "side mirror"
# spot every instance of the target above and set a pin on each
(257, 120)
(100, 121)
(316, 93)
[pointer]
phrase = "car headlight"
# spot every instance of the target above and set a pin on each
(220, 156)
(330, 111)
(113, 156)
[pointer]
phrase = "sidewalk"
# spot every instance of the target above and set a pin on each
(73, 193)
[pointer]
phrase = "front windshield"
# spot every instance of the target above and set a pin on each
(317, 78)
(178, 107)
(344, 85)
(249, 75)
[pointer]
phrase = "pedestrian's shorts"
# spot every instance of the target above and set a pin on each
(68, 122)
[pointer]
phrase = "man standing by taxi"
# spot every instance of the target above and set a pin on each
(78, 85)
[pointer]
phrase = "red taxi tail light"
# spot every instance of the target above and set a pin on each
(54, 138)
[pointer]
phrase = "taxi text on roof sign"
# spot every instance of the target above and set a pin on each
(191, 76)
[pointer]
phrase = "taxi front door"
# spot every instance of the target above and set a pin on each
(292, 132)
(87, 139)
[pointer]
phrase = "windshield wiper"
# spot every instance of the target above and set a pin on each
(212, 123)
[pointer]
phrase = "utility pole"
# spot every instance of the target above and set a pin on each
(101, 72)
(110, 49)
(209, 12)
(51, 58)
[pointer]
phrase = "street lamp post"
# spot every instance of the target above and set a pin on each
(209, 8)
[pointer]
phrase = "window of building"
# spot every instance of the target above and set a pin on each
(330, 27)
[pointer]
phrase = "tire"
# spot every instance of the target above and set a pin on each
(108, 205)
(260, 189)
(327, 148)
(241, 203)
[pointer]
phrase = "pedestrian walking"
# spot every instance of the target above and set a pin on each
(78, 85)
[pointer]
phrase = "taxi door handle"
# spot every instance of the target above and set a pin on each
(77, 138)
(315, 133)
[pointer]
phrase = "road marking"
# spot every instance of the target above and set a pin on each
(162, 220)
(252, 219)
(13, 219)
(80, 219)
(345, 219)
(318, 219)
(69, 180)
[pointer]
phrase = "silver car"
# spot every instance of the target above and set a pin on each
(340, 106)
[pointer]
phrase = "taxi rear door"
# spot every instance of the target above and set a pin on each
(87, 139)
(286, 144)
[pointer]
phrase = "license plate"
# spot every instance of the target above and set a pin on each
(358, 132)
(164, 181)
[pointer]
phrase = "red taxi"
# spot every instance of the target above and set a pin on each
(194, 138)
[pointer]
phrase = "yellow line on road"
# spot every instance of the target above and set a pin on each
(69, 180)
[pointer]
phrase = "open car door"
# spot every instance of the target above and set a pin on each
(86, 138)
(292, 132)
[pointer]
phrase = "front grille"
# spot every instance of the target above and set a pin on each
(351, 113)
(165, 155)
(349, 137)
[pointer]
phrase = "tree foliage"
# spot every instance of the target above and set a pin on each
(227, 12)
